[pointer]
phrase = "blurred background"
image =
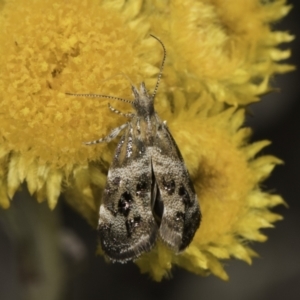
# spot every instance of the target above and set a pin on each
(274, 275)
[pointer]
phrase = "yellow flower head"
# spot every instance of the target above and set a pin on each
(220, 57)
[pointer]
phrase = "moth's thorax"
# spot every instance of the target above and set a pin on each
(143, 102)
(145, 127)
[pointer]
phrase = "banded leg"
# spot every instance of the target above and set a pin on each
(110, 137)
(128, 115)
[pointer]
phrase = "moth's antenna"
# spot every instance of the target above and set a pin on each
(99, 96)
(161, 67)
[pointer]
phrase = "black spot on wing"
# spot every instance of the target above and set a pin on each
(183, 193)
(169, 186)
(142, 185)
(131, 224)
(124, 204)
(180, 216)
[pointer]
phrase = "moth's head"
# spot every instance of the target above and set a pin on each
(143, 102)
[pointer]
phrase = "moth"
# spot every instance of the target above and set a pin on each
(148, 193)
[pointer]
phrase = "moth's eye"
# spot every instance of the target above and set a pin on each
(124, 203)
(169, 186)
(182, 192)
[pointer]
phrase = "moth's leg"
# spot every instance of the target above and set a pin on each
(110, 137)
(128, 115)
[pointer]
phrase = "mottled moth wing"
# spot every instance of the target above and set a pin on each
(127, 227)
(181, 212)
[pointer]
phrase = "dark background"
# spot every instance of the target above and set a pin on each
(274, 275)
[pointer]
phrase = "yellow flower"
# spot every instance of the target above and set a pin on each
(221, 56)
(225, 48)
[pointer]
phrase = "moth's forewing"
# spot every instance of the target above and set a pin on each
(127, 227)
(181, 212)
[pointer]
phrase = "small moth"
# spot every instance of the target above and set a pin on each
(148, 192)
